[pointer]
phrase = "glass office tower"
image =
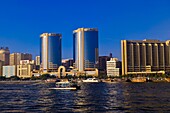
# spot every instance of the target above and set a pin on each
(85, 48)
(50, 53)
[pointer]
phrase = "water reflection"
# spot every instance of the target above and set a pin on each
(95, 97)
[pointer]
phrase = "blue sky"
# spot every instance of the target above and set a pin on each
(22, 21)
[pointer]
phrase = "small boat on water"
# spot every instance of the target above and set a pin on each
(91, 80)
(66, 85)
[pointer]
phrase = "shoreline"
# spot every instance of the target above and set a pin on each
(19, 81)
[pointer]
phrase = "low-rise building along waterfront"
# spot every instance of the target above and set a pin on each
(9, 71)
(25, 68)
(145, 56)
(113, 67)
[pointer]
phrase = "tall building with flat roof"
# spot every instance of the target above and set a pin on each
(85, 48)
(145, 56)
(50, 53)
(102, 64)
(16, 57)
(4, 55)
(37, 60)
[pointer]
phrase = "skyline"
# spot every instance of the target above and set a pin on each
(22, 22)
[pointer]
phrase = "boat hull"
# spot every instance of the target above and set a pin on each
(70, 88)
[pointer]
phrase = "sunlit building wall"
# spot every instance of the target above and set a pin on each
(50, 53)
(25, 68)
(16, 57)
(145, 56)
(4, 55)
(9, 71)
(37, 60)
(113, 67)
(85, 48)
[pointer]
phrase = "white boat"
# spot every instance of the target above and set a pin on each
(66, 86)
(91, 80)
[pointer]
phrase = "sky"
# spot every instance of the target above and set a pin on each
(22, 22)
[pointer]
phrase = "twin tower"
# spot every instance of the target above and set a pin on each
(85, 50)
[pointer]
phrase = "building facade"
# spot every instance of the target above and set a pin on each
(16, 57)
(113, 67)
(1, 67)
(67, 63)
(145, 56)
(25, 68)
(50, 53)
(102, 64)
(85, 48)
(4, 55)
(9, 71)
(37, 60)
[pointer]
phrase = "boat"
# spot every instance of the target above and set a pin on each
(138, 79)
(91, 80)
(66, 85)
(149, 79)
(50, 81)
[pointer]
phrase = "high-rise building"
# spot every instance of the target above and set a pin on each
(85, 48)
(16, 57)
(113, 67)
(26, 56)
(102, 64)
(4, 55)
(145, 56)
(37, 60)
(50, 53)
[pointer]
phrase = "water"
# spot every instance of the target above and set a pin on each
(93, 97)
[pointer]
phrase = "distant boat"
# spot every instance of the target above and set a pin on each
(91, 80)
(50, 80)
(138, 79)
(66, 85)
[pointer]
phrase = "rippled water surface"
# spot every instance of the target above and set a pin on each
(93, 97)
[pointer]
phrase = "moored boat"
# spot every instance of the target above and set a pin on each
(91, 80)
(138, 79)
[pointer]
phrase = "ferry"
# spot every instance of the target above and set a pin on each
(66, 85)
(91, 80)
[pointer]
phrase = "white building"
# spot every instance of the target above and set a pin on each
(113, 67)
(9, 71)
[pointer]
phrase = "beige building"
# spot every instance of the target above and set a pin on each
(1, 67)
(145, 56)
(25, 68)
(37, 60)
(113, 67)
(16, 57)
(4, 55)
